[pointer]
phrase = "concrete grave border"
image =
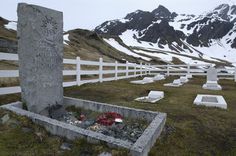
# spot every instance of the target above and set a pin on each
(221, 101)
(140, 148)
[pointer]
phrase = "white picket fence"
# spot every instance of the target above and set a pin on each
(128, 70)
(193, 69)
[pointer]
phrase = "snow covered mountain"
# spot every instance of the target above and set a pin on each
(166, 35)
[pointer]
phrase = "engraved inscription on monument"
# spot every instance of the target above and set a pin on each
(40, 49)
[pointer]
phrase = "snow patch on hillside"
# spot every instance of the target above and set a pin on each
(164, 57)
(65, 38)
(127, 38)
(168, 57)
(123, 49)
(11, 25)
(181, 22)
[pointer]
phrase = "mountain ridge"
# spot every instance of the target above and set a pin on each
(179, 32)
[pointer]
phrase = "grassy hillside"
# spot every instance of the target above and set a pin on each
(83, 43)
(90, 46)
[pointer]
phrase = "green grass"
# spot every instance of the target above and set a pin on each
(189, 129)
(15, 142)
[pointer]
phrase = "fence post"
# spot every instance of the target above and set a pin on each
(127, 69)
(235, 74)
(168, 70)
(100, 69)
(188, 69)
(116, 70)
(149, 69)
(78, 76)
(141, 69)
(135, 70)
(145, 69)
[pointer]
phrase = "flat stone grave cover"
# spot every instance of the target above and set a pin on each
(158, 77)
(152, 97)
(175, 83)
(211, 101)
(183, 79)
(144, 81)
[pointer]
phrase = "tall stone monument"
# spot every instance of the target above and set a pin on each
(40, 49)
(212, 79)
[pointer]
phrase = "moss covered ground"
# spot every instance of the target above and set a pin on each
(189, 130)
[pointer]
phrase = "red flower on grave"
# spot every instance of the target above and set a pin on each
(108, 118)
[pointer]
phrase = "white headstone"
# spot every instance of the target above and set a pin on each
(212, 74)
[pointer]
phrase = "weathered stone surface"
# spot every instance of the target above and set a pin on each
(40, 49)
(5, 119)
(212, 74)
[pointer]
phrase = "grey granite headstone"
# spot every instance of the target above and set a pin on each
(212, 74)
(40, 49)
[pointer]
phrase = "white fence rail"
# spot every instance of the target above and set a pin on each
(128, 70)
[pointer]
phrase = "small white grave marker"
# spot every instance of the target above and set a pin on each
(212, 83)
(152, 97)
(184, 79)
(158, 77)
(144, 81)
(211, 101)
(175, 83)
(189, 76)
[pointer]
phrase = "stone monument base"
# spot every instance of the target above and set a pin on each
(212, 85)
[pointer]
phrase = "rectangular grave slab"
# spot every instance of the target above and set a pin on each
(176, 83)
(140, 148)
(189, 76)
(211, 101)
(40, 49)
(145, 80)
(152, 97)
(158, 77)
(183, 79)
